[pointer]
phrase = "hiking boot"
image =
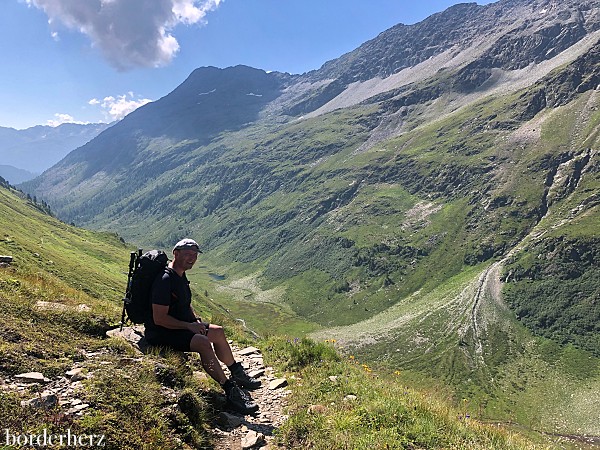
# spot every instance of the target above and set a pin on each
(238, 399)
(239, 375)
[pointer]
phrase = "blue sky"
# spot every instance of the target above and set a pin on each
(96, 60)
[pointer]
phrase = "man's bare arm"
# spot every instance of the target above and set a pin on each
(160, 314)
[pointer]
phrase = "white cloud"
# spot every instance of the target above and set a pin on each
(188, 12)
(129, 33)
(115, 108)
(60, 118)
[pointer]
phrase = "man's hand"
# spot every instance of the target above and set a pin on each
(162, 318)
(198, 328)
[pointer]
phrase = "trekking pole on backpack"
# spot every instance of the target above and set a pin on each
(132, 261)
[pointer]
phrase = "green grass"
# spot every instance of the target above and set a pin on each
(430, 336)
(127, 396)
(54, 262)
(131, 409)
(262, 311)
(54, 250)
(362, 408)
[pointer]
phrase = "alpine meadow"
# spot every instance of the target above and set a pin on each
(418, 218)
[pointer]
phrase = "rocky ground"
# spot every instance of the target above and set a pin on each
(230, 430)
(233, 431)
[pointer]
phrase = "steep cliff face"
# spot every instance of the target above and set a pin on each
(404, 46)
(473, 39)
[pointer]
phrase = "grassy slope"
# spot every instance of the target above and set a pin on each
(341, 403)
(497, 363)
(431, 336)
(424, 204)
(57, 263)
(132, 403)
(295, 202)
(349, 235)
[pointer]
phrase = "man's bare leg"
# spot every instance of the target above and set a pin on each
(210, 362)
(216, 335)
(236, 397)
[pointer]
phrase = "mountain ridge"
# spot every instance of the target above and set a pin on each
(37, 148)
(445, 37)
(15, 175)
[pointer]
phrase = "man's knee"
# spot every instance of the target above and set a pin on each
(216, 331)
(200, 344)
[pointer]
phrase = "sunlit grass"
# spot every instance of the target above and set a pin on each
(341, 403)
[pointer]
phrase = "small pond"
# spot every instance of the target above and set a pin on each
(216, 276)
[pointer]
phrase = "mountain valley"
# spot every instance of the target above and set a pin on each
(429, 201)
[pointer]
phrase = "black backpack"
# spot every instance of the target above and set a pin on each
(143, 270)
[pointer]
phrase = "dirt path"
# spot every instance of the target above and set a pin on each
(234, 431)
(486, 278)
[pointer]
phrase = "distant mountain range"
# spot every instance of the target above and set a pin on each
(14, 175)
(426, 197)
(27, 153)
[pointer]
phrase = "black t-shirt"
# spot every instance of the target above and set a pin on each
(171, 290)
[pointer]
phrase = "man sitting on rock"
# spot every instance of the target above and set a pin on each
(174, 324)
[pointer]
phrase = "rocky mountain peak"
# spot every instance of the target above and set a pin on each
(214, 100)
(516, 32)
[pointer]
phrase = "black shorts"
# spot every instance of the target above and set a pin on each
(176, 339)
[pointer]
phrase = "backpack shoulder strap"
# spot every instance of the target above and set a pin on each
(171, 272)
